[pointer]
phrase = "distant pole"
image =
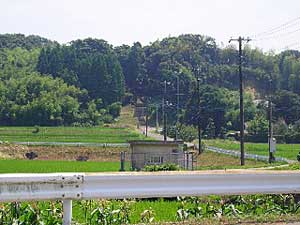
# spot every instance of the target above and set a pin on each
(164, 113)
(177, 110)
(242, 120)
(157, 124)
(270, 130)
(146, 123)
(146, 130)
(198, 117)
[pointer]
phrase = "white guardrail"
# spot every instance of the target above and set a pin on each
(68, 186)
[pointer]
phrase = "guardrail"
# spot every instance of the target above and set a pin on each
(247, 155)
(67, 186)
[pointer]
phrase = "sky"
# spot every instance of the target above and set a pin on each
(127, 21)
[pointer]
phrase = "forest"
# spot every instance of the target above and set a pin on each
(85, 82)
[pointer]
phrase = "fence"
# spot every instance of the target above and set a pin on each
(67, 187)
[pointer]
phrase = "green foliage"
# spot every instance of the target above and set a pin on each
(36, 129)
(298, 157)
(162, 167)
(114, 109)
(258, 126)
(28, 98)
(236, 206)
(48, 166)
(33, 213)
(186, 133)
(219, 109)
(105, 72)
(11, 41)
(287, 106)
(186, 209)
(89, 64)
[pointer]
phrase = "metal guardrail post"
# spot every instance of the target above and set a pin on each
(67, 209)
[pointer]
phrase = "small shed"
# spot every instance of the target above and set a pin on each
(156, 153)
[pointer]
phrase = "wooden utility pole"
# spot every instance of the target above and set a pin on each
(177, 109)
(271, 156)
(198, 117)
(242, 120)
(164, 113)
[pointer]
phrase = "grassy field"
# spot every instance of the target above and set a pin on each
(288, 151)
(69, 134)
(206, 161)
(45, 166)
(213, 161)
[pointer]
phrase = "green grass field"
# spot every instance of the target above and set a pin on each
(39, 166)
(206, 161)
(288, 151)
(69, 134)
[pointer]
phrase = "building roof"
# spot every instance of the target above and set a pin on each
(150, 142)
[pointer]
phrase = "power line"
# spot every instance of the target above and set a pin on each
(278, 36)
(279, 28)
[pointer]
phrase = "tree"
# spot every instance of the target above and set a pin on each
(90, 64)
(258, 126)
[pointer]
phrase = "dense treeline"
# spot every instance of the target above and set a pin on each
(194, 57)
(89, 64)
(101, 75)
(12, 41)
(30, 98)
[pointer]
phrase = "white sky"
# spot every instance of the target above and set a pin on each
(126, 21)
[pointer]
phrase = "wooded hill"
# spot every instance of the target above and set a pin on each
(82, 82)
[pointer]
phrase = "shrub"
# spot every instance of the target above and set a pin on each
(162, 167)
(114, 109)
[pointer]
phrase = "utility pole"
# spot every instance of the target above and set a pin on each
(157, 124)
(177, 109)
(164, 113)
(198, 117)
(242, 120)
(146, 133)
(271, 157)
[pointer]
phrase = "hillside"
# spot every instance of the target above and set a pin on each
(97, 77)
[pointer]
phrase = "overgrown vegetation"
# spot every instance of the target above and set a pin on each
(146, 211)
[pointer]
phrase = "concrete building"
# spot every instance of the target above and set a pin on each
(156, 153)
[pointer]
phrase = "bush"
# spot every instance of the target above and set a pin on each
(107, 118)
(298, 157)
(127, 98)
(292, 137)
(162, 167)
(114, 109)
(185, 133)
